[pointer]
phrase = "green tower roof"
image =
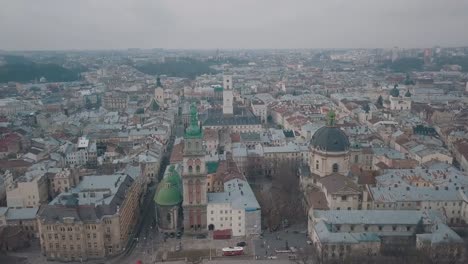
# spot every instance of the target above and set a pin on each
(168, 193)
(395, 92)
(193, 131)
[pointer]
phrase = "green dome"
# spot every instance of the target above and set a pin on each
(168, 193)
(395, 92)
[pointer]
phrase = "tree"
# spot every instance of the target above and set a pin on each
(380, 101)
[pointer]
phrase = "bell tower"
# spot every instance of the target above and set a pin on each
(227, 95)
(194, 177)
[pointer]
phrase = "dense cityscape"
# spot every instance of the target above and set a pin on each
(277, 155)
(233, 132)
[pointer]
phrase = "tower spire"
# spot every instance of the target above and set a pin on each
(331, 118)
(193, 130)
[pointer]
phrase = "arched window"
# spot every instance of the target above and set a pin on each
(317, 164)
(197, 168)
(198, 191)
(190, 191)
(190, 169)
(335, 167)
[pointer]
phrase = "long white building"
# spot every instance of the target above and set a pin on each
(236, 209)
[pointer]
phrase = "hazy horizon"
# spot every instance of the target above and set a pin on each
(209, 24)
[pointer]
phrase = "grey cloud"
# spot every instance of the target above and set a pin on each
(101, 24)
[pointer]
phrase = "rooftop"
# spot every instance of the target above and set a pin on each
(21, 213)
(238, 193)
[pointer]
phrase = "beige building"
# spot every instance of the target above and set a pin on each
(115, 101)
(61, 181)
(259, 109)
(27, 191)
(341, 193)
(91, 221)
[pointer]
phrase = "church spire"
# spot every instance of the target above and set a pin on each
(331, 118)
(193, 130)
(158, 82)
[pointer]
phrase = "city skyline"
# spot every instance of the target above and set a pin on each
(207, 24)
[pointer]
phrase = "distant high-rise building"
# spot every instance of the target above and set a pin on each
(227, 95)
(395, 53)
(427, 56)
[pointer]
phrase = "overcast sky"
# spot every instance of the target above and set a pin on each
(117, 24)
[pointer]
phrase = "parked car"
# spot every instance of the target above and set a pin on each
(241, 244)
(201, 236)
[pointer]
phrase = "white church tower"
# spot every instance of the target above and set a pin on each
(227, 95)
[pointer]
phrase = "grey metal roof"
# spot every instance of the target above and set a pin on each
(216, 118)
(330, 139)
(237, 193)
(21, 213)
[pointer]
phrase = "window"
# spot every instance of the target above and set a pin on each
(380, 228)
(394, 228)
(338, 228)
(168, 217)
(317, 164)
(335, 167)
(343, 198)
(190, 169)
(366, 228)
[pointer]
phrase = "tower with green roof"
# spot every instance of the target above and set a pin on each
(194, 177)
(168, 199)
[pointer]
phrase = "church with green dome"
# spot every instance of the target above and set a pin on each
(168, 200)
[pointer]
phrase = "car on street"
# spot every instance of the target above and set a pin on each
(241, 244)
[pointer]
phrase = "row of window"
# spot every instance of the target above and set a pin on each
(366, 228)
